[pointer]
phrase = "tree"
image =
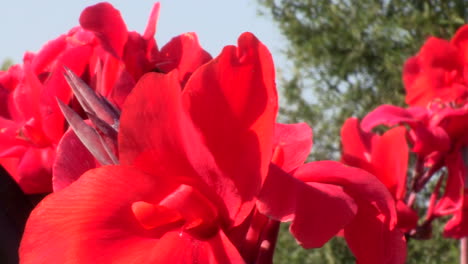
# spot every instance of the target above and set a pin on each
(6, 64)
(348, 55)
(347, 59)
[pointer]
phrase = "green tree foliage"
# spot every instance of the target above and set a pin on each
(348, 55)
(434, 251)
(6, 64)
(347, 58)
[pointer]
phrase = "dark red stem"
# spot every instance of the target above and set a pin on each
(268, 242)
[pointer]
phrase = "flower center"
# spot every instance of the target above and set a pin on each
(197, 215)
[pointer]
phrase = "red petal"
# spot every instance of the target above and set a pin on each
(48, 54)
(56, 87)
(317, 211)
(11, 145)
(390, 161)
(407, 217)
(34, 170)
(431, 74)
(107, 23)
(152, 22)
(92, 221)
(390, 115)
(175, 248)
(457, 226)
(357, 145)
(291, 145)
(156, 132)
(26, 97)
(356, 182)
(460, 40)
(372, 235)
(183, 53)
(452, 199)
(233, 101)
(134, 57)
(371, 241)
(441, 53)
(111, 71)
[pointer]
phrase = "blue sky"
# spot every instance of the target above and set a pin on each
(28, 24)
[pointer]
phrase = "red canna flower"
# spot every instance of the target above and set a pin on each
(105, 55)
(437, 72)
(322, 198)
(384, 156)
(197, 166)
(192, 163)
(438, 139)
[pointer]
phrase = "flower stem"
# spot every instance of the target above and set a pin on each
(463, 250)
(268, 242)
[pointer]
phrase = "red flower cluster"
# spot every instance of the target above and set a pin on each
(384, 156)
(181, 160)
(438, 139)
(103, 53)
(436, 86)
(438, 71)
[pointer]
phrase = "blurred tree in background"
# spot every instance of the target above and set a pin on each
(6, 64)
(434, 251)
(347, 58)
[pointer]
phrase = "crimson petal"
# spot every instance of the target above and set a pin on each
(152, 22)
(107, 23)
(357, 145)
(391, 115)
(317, 211)
(183, 53)
(233, 101)
(91, 221)
(155, 128)
(390, 160)
(291, 145)
(372, 235)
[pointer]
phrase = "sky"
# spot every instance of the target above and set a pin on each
(26, 25)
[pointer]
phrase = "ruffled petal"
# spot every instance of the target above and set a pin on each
(233, 102)
(107, 23)
(155, 127)
(94, 221)
(371, 235)
(390, 115)
(317, 211)
(152, 22)
(452, 199)
(34, 170)
(291, 145)
(390, 160)
(357, 145)
(91, 220)
(457, 226)
(183, 53)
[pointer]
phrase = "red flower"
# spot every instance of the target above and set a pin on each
(105, 55)
(439, 139)
(195, 163)
(31, 123)
(438, 71)
(322, 198)
(384, 156)
(192, 164)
